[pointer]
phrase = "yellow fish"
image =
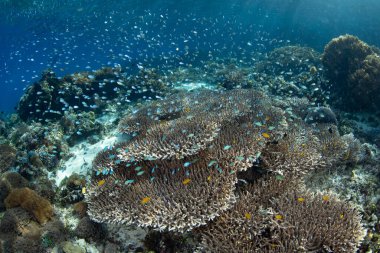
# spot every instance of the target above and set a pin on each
(187, 109)
(300, 199)
(83, 190)
(278, 217)
(265, 135)
(145, 200)
(341, 216)
(101, 182)
(325, 198)
(248, 216)
(209, 178)
(186, 181)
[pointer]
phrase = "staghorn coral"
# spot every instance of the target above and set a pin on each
(183, 167)
(316, 222)
(174, 196)
(296, 153)
(31, 201)
(179, 169)
(280, 216)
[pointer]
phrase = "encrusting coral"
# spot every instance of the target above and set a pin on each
(28, 199)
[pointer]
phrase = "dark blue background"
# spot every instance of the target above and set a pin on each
(74, 31)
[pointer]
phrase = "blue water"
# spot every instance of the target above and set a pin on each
(69, 36)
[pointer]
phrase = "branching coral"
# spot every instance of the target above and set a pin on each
(162, 194)
(295, 153)
(280, 216)
(179, 170)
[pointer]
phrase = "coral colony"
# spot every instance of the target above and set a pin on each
(271, 156)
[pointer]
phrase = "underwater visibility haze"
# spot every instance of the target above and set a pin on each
(190, 126)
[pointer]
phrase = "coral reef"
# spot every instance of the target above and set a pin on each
(232, 77)
(49, 98)
(89, 229)
(364, 82)
(321, 115)
(80, 126)
(7, 158)
(8, 182)
(342, 56)
(292, 71)
(353, 68)
(29, 200)
(71, 189)
(216, 169)
(275, 216)
(179, 169)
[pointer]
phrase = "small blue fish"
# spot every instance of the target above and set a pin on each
(187, 173)
(240, 158)
(138, 168)
(187, 164)
(152, 178)
(211, 163)
(129, 181)
(140, 173)
(227, 147)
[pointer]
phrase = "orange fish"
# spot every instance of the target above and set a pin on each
(248, 216)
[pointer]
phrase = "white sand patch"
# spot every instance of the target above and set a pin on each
(81, 161)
